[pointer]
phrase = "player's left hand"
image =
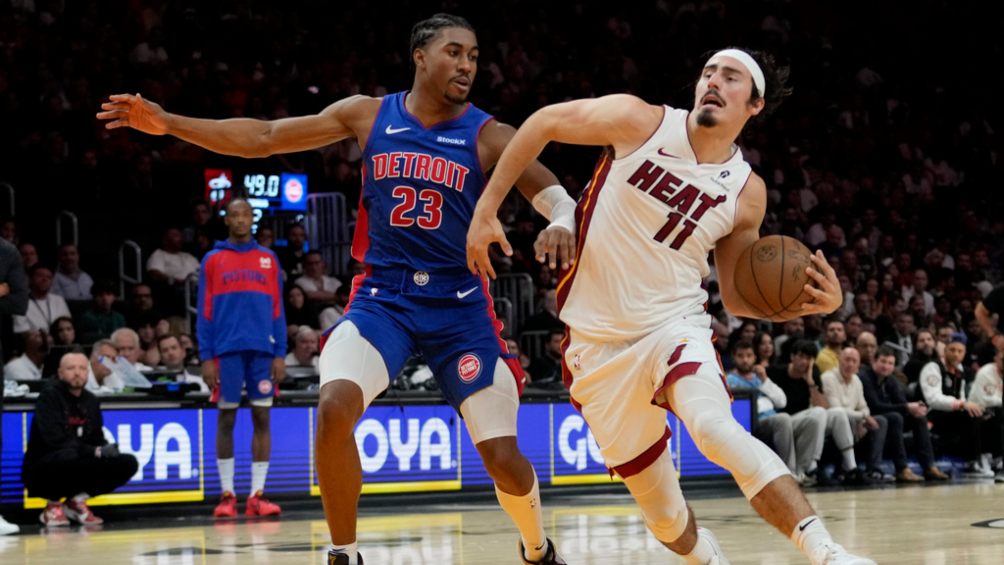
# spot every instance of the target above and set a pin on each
(826, 295)
(555, 243)
(278, 370)
(485, 230)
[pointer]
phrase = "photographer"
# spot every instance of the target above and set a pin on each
(68, 456)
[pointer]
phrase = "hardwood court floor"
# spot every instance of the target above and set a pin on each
(910, 525)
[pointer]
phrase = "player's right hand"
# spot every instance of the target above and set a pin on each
(128, 110)
(210, 374)
(485, 229)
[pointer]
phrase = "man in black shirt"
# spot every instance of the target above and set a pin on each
(799, 380)
(13, 301)
(925, 352)
(887, 397)
(68, 456)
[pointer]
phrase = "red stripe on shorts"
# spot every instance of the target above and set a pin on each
(640, 463)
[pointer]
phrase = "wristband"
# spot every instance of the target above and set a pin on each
(557, 206)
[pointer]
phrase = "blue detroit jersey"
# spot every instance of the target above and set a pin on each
(420, 186)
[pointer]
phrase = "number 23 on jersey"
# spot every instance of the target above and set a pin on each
(428, 202)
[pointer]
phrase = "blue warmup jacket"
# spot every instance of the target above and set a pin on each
(240, 301)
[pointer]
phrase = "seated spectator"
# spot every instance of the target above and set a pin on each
(29, 255)
(886, 396)
(168, 269)
(794, 330)
(70, 282)
(43, 306)
(265, 237)
(796, 441)
(987, 386)
(843, 389)
(799, 380)
(330, 315)
(172, 356)
(924, 352)
(546, 318)
(147, 332)
(763, 345)
(63, 331)
(102, 378)
(141, 305)
(100, 320)
(835, 338)
(298, 311)
(68, 456)
(305, 349)
(745, 332)
(127, 342)
(986, 392)
(292, 256)
(517, 353)
(191, 350)
(960, 422)
(546, 369)
(28, 367)
(902, 337)
(866, 344)
(315, 282)
(853, 326)
(170, 264)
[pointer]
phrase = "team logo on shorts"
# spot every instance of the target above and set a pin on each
(421, 278)
(469, 367)
(265, 387)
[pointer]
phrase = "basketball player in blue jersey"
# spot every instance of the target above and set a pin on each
(425, 156)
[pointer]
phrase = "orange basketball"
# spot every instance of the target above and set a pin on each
(770, 276)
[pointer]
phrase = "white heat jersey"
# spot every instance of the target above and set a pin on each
(647, 222)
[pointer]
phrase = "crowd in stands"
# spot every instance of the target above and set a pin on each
(889, 168)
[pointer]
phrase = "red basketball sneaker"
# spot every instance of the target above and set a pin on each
(79, 512)
(258, 505)
(53, 515)
(227, 508)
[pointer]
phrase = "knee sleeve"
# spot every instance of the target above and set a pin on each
(700, 401)
(491, 411)
(657, 492)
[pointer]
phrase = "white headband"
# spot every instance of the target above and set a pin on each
(748, 62)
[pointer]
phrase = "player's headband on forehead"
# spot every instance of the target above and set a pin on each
(748, 62)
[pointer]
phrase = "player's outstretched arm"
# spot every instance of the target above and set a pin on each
(619, 120)
(556, 243)
(243, 137)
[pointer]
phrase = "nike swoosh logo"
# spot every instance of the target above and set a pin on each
(806, 525)
(392, 131)
(664, 154)
(462, 295)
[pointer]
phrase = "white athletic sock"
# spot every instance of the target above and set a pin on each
(702, 553)
(809, 534)
(259, 470)
(849, 462)
(525, 513)
(226, 469)
(351, 550)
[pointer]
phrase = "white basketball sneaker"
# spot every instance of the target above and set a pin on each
(834, 554)
(719, 558)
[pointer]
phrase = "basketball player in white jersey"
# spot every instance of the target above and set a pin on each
(671, 187)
